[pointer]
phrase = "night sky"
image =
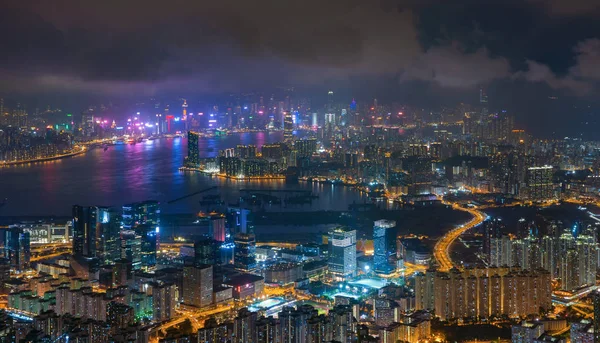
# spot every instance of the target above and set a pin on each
(419, 52)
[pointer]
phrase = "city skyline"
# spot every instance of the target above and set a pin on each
(417, 54)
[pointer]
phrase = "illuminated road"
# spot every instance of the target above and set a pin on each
(441, 250)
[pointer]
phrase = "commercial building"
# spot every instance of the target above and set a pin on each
(384, 244)
(193, 153)
(17, 251)
(283, 273)
(198, 285)
(288, 127)
(245, 252)
(342, 253)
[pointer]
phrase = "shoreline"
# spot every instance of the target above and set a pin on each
(45, 159)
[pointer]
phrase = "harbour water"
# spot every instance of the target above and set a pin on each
(148, 170)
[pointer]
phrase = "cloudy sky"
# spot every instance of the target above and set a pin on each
(416, 50)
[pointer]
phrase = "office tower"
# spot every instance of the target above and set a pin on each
(108, 229)
(85, 219)
(216, 227)
(288, 127)
(17, 251)
(193, 154)
(198, 285)
(539, 183)
(141, 213)
(501, 252)
(244, 326)
(245, 251)
(131, 248)
(240, 220)
(384, 239)
(148, 240)
(206, 251)
(342, 253)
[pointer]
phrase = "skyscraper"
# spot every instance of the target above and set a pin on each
(108, 228)
(288, 127)
(148, 240)
(141, 213)
(198, 285)
(193, 153)
(85, 219)
(245, 251)
(216, 227)
(342, 253)
(383, 243)
(539, 183)
(131, 248)
(17, 249)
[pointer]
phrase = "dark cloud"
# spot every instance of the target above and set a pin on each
(137, 46)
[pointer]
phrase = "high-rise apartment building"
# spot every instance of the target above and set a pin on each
(482, 293)
(539, 183)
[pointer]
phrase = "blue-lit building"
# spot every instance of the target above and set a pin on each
(383, 244)
(17, 248)
(148, 245)
(109, 229)
(342, 253)
(141, 213)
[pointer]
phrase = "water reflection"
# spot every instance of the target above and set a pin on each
(147, 170)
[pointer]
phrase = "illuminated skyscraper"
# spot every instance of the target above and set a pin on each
(193, 157)
(342, 253)
(131, 248)
(539, 183)
(383, 243)
(17, 248)
(148, 240)
(85, 219)
(108, 227)
(198, 285)
(288, 127)
(245, 251)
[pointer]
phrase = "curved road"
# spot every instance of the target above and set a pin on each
(441, 250)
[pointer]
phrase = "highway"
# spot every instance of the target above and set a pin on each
(441, 251)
